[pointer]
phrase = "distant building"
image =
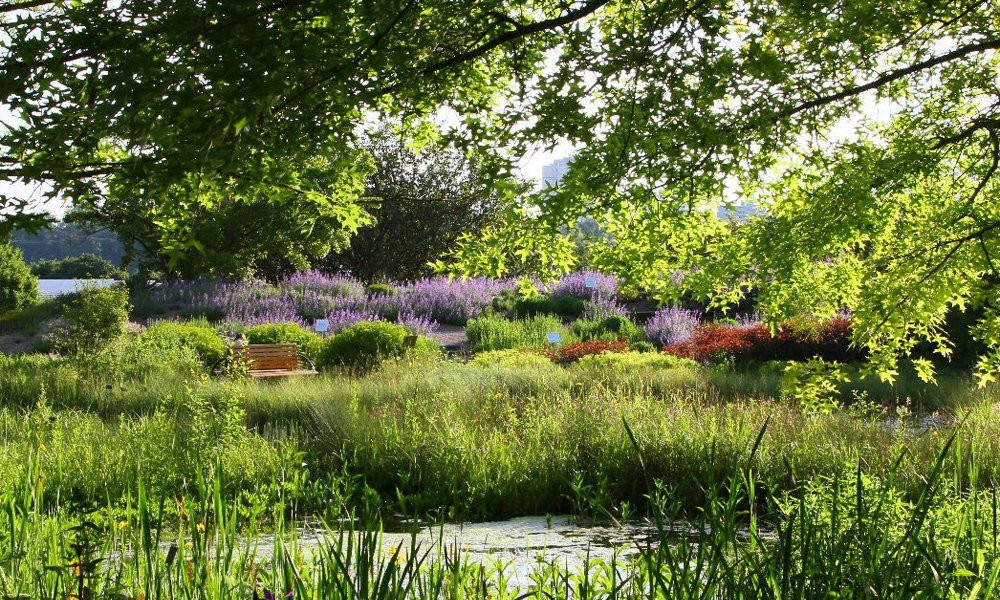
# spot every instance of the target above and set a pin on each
(553, 172)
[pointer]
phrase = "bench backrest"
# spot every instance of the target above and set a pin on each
(264, 357)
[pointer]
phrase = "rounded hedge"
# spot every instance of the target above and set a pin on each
(369, 343)
(310, 343)
(18, 285)
(204, 340)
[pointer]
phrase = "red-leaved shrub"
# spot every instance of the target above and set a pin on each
(793, 341)
(575, 351)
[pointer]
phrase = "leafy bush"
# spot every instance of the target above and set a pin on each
(514, 304)
(382, 289)
(564, 306)
(367, 344)
(511, 358)
(608, 328)
(92, 320)
(712, 342)
(310, 343)
(85, 266)
(203, 339)
(573, 352)
(18, 286)
(494, 332)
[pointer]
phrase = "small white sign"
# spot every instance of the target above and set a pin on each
(322, 325)
(554, 337)
(590, 282)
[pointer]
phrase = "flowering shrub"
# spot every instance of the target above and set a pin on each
(672, 325)
(321, 283)
(711, 342)
(305, 297)
(448, 300)
(575, 284)
(573, 352)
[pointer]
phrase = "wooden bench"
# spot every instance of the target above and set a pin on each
(270, 360)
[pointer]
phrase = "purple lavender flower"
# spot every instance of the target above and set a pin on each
(322, 284)
(602, 308)
(417, 324)
(343, 318)
(672, 325)
(575, 284)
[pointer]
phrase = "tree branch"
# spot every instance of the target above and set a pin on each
(515, 34)
(14, 6)
(891, 76)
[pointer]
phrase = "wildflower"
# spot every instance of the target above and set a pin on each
(201, 528)
(122, 525)
(41, 446)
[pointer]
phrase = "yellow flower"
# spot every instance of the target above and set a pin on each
(122, 525)
(201, 528)
(41, 447)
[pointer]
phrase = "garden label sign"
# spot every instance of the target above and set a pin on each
(590, 282)
(322, 325)
(554, 337)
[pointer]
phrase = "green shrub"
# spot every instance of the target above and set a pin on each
(609, 328)
(310, 343)
(369, 343)
(493, 332)
(203, 339)
(382, 289)
(92, 320)
(512, 358)
(18, 286)
(513, 303)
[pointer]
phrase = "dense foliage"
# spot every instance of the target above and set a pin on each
(18, 286)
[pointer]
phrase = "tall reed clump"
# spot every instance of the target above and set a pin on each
(493, 332)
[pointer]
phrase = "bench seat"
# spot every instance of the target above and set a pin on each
(269, 360)
(281, 372)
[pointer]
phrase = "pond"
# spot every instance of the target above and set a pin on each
(519, 545)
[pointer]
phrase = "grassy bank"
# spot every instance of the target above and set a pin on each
(470, 440)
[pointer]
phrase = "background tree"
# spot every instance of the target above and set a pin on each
(18, 287)
(85, 266)
(67, 240)
(427, 199)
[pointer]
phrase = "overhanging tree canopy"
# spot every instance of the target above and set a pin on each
(671, 102)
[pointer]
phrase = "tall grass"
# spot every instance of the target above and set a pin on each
(492, 332)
